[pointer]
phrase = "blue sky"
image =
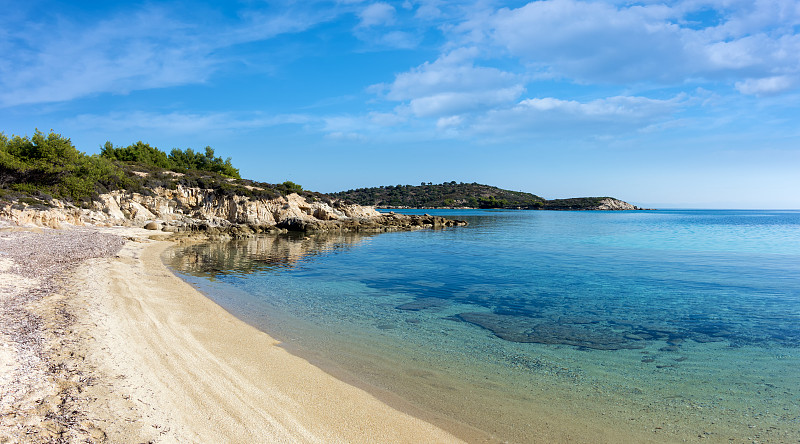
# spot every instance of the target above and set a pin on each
(672, 104)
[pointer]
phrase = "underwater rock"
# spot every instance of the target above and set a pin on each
(577, 320)
(675, 341)
(541, 331)
(423, 303)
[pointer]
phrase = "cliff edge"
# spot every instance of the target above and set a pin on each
(190, 209)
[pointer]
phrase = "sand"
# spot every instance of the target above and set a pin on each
(121, 350)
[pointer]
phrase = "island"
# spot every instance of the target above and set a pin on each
(470, 195)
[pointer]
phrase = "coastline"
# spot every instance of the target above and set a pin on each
(155, 360)
(129, 352)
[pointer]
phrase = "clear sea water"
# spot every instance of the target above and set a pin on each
(538, 326)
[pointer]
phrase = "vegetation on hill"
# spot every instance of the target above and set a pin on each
(50, 166)
(460, 195)
(34, 170)
(37, 169)
(447, 194)
(574, 203)
(177, 160)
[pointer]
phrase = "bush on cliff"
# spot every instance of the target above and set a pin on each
(38, 168)
(51, 166)
(291, 187)
(177, 160)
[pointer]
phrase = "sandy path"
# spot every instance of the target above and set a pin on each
(181, 369)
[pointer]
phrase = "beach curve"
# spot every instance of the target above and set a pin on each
(218, 378)
(167, 364)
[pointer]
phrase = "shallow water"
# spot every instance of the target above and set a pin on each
(539, 325)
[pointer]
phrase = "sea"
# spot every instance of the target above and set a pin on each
(542, 326)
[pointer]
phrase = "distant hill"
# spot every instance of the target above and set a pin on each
(448, 194)
(470, 195)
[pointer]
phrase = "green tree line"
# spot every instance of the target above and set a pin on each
(177, 160)
(49, 166)
(446, 194)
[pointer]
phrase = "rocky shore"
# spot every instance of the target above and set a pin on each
(192, 210)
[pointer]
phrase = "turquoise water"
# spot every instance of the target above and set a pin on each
(537, 326)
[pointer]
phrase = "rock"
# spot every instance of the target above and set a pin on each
(204, 210)
(542, 331)
(138, 211)
(151, 226)
(616, 205)
(423, 303)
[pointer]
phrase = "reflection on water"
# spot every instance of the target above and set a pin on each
(688, 322)
(266, 253)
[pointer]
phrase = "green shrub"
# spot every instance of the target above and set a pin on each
(51, 165)
(292, 187)
(180, 161)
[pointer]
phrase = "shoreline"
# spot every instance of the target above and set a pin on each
(553, 416)
(569, 396)
(130, 352)
(162, 362)
(461, 430)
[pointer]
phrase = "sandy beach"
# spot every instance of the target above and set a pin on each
(102, 343)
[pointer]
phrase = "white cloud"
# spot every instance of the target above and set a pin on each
(343, 124)
(738, 54)
(51, 59)
(453, 84)
(449, 122)
(612, 107)
(386, 119)
(146, 50)
(429, 10)
(183, 123)
(766, 86)
(346, 137)
(594, 118)
(592, 41)
(394, 39)
(596, 42)
(379, 28)
(449, 103)
(746, 17)
(377, 14)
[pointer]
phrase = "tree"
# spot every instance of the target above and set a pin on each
(51, 165)
(292, 187)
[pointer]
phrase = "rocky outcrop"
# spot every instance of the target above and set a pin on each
(610, 203)
(589, 204)
(194, 209)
